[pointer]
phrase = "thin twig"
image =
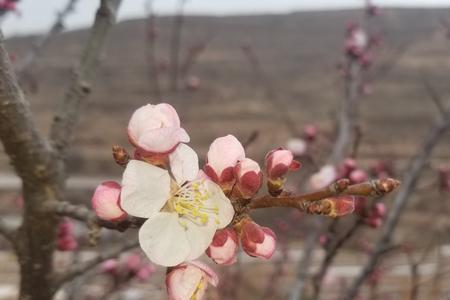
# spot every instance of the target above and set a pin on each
(303, 267)
(83, 214)
(416, 166)
(82, 268)
(341, 187)
(66, 118)
(432, 93)
(56, 28)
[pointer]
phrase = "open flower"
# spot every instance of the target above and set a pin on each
(223, 247)
(155, 129)
(189, 281)
(105, 202)
(183, 213)
(256, 240)
(223, 155)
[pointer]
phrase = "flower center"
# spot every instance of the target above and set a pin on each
(191, 203)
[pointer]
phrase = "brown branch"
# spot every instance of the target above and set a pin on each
(26, 148)
(331, 254)
(56, 28)
(341, 187)
(82, 268)
(347, 123)
(412, 174)
(66, 118)
(84, 214)
(303, 267)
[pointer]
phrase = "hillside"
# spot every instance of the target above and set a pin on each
(299, 52)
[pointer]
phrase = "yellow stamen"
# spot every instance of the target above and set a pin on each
(190, 202)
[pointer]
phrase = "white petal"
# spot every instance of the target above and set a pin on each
(145, 189)
(200, 237)
(164, 240)
(217, 197)
(184, 163)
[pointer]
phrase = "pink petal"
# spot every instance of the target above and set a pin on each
(225, 152)
(161, 140)
(170, 118)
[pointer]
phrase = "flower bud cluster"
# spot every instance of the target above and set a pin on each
(131, 266)
(66, 240)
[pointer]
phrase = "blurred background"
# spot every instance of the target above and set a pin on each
(267, 72)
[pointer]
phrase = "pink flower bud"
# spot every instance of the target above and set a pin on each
(257, 241)
(223, 155)
(66, 240)
(296, 146)
(155, 129)
(310, 132)
(326, 175)
(133, 262)
(109, 266)
(189, 281)
(65, 228)
(249, 177)
(145, 272)
(67, 243)
(379, 209)
(358, 176)
(193, 83)
(279, 162)
(374, 222)
(223, 247)
(105, 201)
(324, 239)
(346, 167)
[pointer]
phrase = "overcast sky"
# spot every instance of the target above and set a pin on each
(37, 17)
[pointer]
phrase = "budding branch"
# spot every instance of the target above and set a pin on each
(341, 187)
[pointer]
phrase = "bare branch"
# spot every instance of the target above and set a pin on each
(303, 267)
(56, 28)
(432, 93)
(82, 268)
(66, 118)
(416, 166)
(348, 115)
(26, 148)
(341, 187)
(84, 214)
